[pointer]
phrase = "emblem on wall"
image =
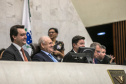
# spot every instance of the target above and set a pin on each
(117, 76)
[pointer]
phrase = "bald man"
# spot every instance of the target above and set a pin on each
(46, 45)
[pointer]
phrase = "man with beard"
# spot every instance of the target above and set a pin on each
(15, 52)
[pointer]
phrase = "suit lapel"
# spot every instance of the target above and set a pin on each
(46, 56)
(72, 50)
(17, 54)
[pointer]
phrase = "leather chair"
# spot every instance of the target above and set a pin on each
(35, 47)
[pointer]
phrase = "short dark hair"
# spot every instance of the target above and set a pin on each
(55, 29)
(103, 47)
(76, 38)
(13, 31)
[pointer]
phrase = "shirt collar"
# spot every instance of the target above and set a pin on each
(17, 46)
(45, 52)
(74, 51)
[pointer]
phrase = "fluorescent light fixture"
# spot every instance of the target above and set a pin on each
(101, 33)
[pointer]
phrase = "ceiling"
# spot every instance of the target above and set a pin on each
(98, 12)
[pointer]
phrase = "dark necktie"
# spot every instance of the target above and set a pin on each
(25, 58)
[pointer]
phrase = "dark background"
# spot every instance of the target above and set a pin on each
(106, 40)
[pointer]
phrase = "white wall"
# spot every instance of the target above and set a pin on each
(45, 14)
(97, 12)
(55, 73)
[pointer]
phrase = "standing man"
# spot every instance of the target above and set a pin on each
(15, 52)
(77, 41)
(58, 45)
(46, 46)
(97, 47)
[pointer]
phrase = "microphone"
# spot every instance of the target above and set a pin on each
(108, 56)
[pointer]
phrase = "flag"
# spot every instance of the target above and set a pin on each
(27, 23)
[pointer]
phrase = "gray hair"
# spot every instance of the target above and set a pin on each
(42, 40)
(94, 44)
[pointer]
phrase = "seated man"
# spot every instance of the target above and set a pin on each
(77, 41)
(15, 52)
(46, 46)
(97, 47)
(104, 58)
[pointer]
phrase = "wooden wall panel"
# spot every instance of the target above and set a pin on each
(119, 41)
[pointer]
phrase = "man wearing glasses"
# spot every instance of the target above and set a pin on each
(97, 47)
(58, 45)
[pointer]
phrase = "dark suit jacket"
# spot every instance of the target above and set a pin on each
(12, 54)
(124, 63)
(97, 61)
(41, 56)
(68, 57)
(106, 60)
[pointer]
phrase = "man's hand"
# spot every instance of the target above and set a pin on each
(112, 58)
(56, 52)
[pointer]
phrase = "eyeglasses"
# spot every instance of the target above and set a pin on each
(98, 51)
(51, 32)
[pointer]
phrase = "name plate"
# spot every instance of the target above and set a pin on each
(117, 76)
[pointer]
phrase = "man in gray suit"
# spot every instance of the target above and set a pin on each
(15, 51)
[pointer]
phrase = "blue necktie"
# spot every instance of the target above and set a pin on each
(52, 58)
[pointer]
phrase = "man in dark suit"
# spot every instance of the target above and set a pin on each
(97, 47)
(46, 45)
(15, 51)
(103, 58)
(77, 41)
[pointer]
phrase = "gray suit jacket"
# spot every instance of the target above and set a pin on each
(12, 54)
